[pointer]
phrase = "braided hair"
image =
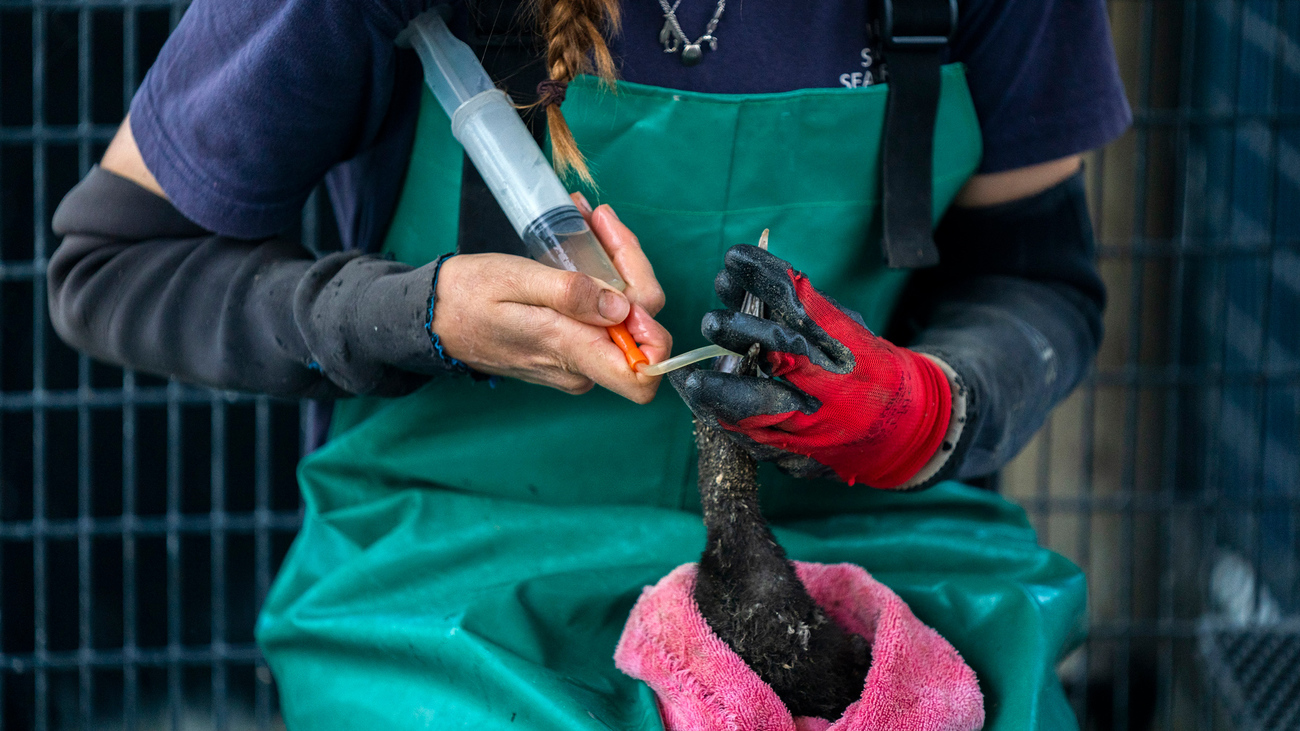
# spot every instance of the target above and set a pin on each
(574, 45)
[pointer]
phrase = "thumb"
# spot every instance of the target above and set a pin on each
(572, 294)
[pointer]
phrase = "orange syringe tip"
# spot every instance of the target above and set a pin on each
(623, 339)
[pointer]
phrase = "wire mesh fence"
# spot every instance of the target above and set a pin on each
(1172, 475)
(141, 521)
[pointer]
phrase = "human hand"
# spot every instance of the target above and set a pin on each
(847, 401)
(510, 316)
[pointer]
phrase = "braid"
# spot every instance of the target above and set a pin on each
(572, 29)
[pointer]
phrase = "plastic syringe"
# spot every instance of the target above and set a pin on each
(510, 162)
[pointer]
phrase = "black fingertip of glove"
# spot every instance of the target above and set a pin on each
(747, 269)
(678, 379)
(729, 290)
(748, 255)
(685, 381)
(748, 263)
(694, 390)
(732, 398)
(767, 277)
(737, 331)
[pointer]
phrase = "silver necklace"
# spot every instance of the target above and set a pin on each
(674, 38)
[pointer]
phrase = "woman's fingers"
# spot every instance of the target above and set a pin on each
(655, 341)
(514, 317)
(625, 250)
(598, 358)
(572, 294)
(589, 351)
(584, 207)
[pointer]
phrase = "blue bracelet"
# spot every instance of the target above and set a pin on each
(452, 364)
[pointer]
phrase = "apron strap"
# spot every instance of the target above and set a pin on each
(914, 35)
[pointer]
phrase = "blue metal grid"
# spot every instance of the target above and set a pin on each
(141, 521)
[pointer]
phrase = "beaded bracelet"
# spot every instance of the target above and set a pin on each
(452, 364)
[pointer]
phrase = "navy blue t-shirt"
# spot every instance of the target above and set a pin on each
(252, 103)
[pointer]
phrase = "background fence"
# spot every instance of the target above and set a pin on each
(1172, 475)
(141, 521)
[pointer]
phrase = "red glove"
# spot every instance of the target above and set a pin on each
(847, 400)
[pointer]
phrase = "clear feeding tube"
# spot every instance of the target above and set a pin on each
(750, 305)
(685, 359)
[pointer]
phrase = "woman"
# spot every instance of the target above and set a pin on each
(470, 553)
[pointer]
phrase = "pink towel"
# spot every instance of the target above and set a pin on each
(917, 680)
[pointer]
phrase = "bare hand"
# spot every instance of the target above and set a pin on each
(510, 316)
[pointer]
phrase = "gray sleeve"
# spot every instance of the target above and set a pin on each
(1014, 307)
(137, 284)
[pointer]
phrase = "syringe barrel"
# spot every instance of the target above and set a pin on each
(508, 159)
(561, 238)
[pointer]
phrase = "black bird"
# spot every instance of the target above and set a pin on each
(747, 588)
(749, 594)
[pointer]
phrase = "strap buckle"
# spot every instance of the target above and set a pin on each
(915, 28)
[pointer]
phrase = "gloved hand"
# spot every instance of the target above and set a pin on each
(840, 399)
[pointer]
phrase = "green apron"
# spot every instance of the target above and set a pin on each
(469, 554)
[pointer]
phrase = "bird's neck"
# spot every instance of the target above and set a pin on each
(729, 496)
(728, 477)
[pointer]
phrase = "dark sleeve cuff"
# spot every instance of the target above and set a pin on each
(107, 204)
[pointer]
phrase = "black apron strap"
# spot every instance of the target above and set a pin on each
(913, 35)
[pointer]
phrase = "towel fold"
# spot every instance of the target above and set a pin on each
(917, 681)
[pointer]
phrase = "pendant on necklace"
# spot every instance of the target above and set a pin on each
(673, 39)
(666, 37)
